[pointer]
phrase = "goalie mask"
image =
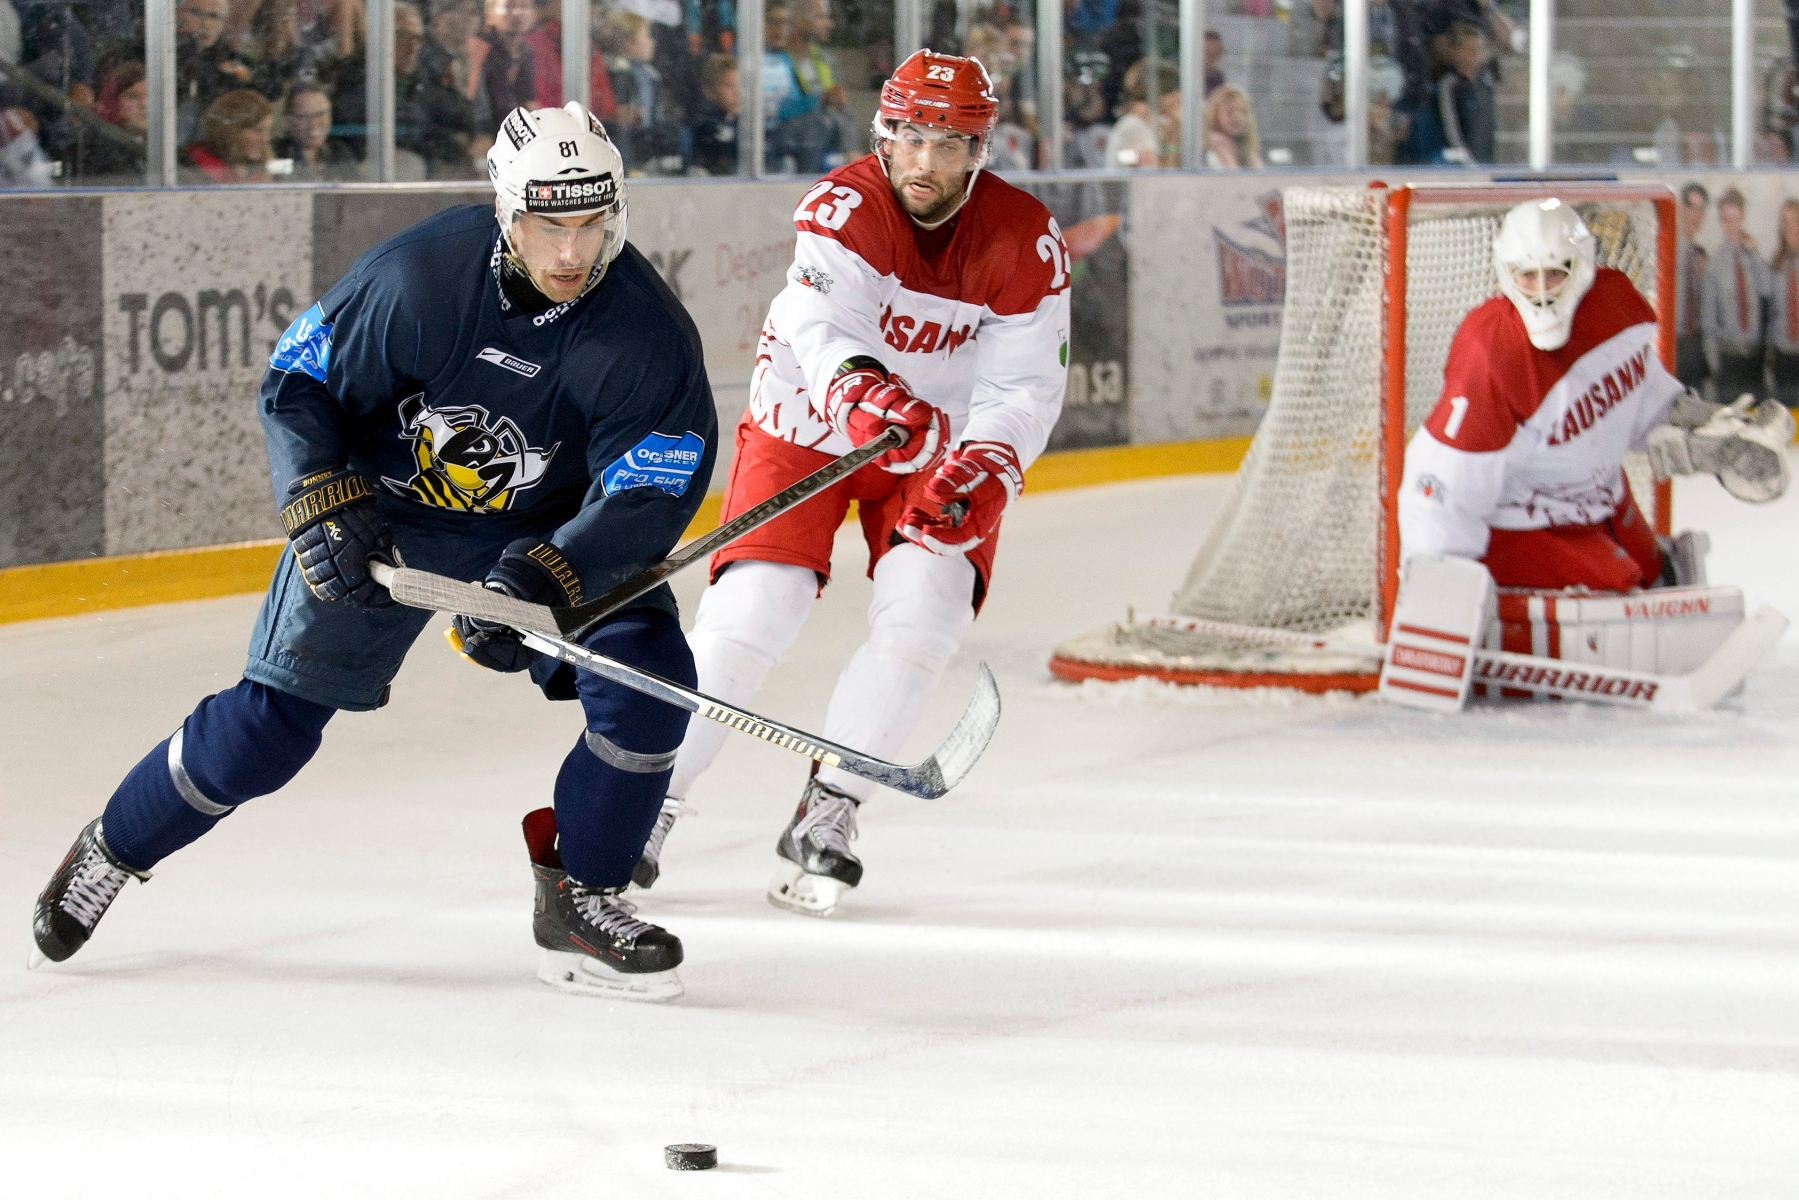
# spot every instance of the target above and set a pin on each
(558, 162)
(939, 94)
(1544, 258)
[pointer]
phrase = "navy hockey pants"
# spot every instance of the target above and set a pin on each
(309, 658)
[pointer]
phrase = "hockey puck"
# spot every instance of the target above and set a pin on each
(690, 1156)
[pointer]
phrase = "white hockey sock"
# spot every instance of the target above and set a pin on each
(746, 622)
(922, 603)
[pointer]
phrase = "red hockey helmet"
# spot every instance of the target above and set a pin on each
(941, 91)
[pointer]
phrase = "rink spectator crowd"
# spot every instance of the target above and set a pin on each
(275, 90)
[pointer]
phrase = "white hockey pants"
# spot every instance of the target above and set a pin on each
(750, 618)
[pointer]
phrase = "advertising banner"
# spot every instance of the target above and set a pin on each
(50, 412)
(724, 249)
(1208, 279)
(198, 287)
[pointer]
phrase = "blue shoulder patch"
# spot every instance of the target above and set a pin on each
(659, 461)
(306, 346)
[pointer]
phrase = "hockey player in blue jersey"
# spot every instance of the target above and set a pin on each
(508, 395)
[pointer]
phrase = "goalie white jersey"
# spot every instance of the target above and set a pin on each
(1524, 438)
(974, 316)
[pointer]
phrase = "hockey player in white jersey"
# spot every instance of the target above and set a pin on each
(925, 294)
(1545, 390)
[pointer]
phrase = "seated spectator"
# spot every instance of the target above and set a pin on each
(206, 66)
(449, 42)
(782, 96)
(317, 156)
(715, 133)
(1215, 61)
(234, 140)
(124, 104)
(1231, 141)
(817, 134)
(643, 136)
(23, 163)
(431, 118)
(1084, 103)
(1137, 136)
(1466, 102)
(545, 44)
(508, 75)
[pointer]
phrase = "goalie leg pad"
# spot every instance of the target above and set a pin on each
(1443, 609)
(1669, 630)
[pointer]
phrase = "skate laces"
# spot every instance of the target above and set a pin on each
(665, 821)
(92, 887)
(830, 820)
(610, 914)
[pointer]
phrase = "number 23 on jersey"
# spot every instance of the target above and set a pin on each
(830, 211)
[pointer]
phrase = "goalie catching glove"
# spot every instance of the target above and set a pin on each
(864, 401)
(1743, 444)
(965, 498)
(529, 570)
(334, 528)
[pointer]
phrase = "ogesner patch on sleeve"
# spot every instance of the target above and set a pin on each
(659, 461)
(306, 346)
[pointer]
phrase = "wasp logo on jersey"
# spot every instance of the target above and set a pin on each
(465, 460)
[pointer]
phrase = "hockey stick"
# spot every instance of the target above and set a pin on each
(929, 779)
(421, 589)
(1699, 688)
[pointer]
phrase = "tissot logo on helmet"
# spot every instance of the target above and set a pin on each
(582, 196)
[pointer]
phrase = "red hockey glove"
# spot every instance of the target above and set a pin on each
(965, 499)
(863, 401)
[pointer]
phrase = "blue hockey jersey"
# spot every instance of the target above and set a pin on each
(592, 419)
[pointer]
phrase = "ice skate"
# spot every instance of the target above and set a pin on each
(648, 868)
(592, 944)
(817, 866)
(77, 896)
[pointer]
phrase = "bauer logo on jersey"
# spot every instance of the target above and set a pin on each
(517, 366)
(659, 461)
(572, 196)
(466, 461)
(306, 346)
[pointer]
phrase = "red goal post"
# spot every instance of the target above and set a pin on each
(1401, 203)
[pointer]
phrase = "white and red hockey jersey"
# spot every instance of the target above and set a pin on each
(974, 316)
(1526, 438)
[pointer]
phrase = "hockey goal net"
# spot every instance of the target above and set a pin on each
(1378, 280)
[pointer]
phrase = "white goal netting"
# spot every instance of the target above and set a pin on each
(1296, 544)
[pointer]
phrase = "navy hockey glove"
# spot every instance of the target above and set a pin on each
(334, 527)
(528, 570)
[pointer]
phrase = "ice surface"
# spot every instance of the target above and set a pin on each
(1161, 943)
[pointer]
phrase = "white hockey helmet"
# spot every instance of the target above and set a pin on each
(558, 162)
(1544, 236)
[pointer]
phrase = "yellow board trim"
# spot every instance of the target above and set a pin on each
(62, 589)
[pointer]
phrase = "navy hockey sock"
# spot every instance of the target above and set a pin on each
(236, 745)
(611, 784)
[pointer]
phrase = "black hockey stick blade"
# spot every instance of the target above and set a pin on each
(573, 622)
(929, 779)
